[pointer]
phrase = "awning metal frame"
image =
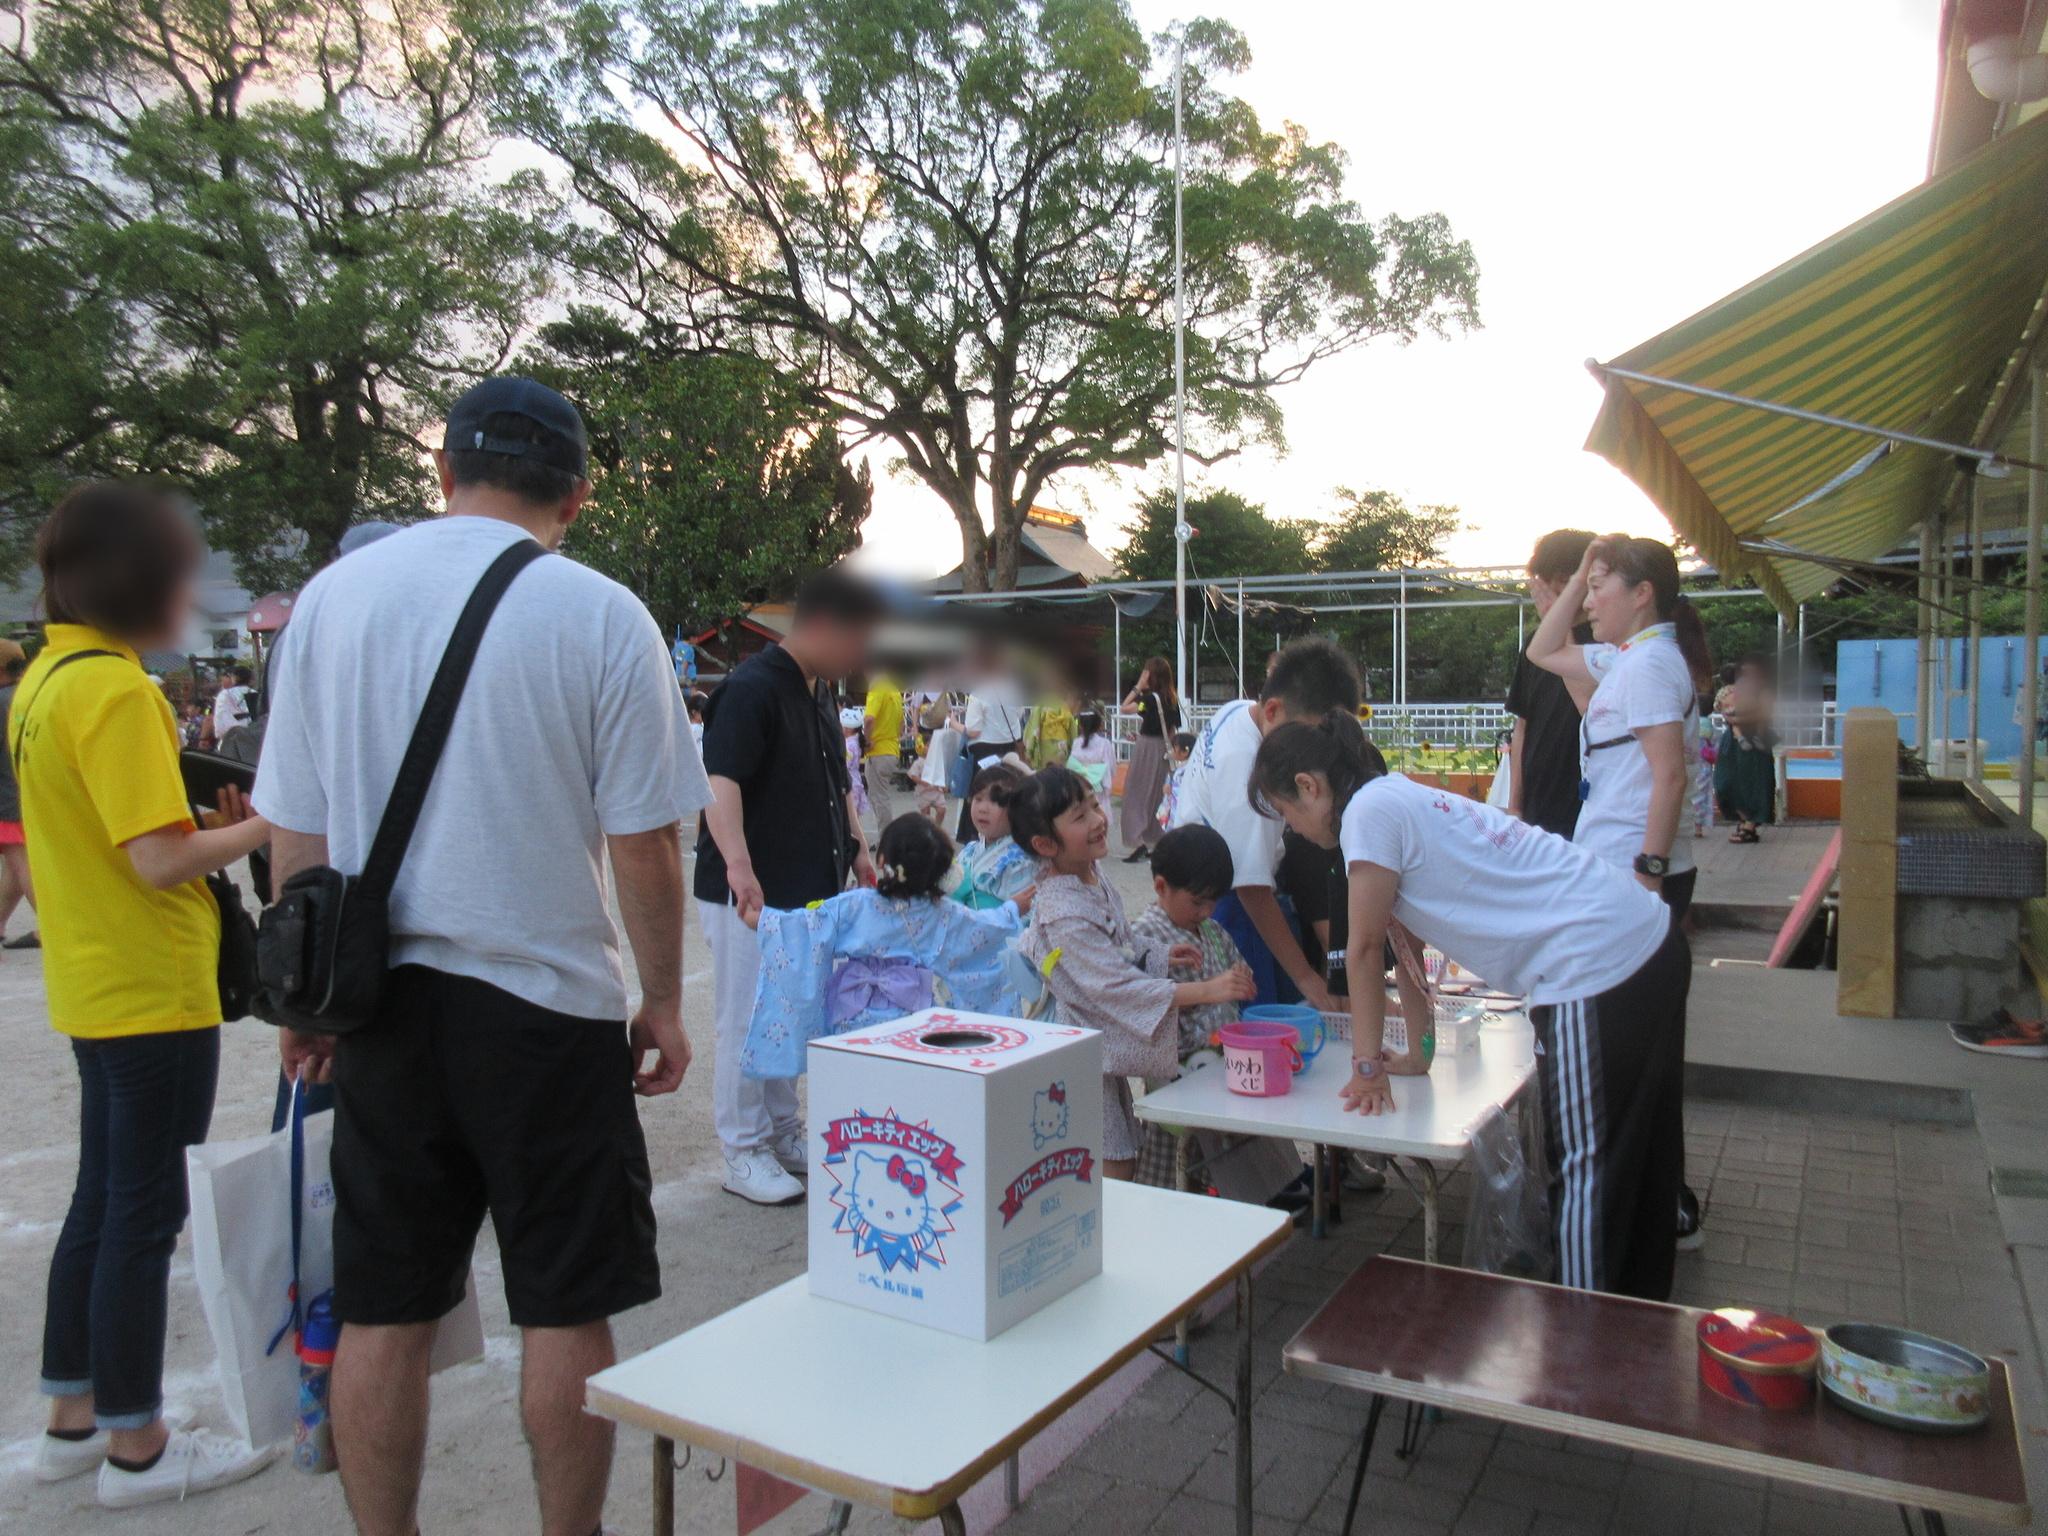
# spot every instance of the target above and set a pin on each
(1988, 460)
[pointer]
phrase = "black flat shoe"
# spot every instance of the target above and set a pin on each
(29, 940)
(1138, 855)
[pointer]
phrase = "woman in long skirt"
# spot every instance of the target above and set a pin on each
(1158, 712)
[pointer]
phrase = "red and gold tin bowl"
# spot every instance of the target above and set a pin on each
(1758, 1359)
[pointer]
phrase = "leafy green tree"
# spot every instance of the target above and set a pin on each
(1378, 531)
(251, 247)
(716, 484)
(954, 219)
(1233, 537)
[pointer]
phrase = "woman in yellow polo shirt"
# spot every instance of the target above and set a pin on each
(131, 939)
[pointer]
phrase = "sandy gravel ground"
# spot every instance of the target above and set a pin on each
(715, 1252)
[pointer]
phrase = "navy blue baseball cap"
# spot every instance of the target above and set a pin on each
(556, 438)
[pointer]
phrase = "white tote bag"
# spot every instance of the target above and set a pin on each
(242, 1197)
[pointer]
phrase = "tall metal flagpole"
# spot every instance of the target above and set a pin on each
(1180, 460)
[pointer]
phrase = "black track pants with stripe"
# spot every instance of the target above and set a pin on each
(1613, 1073)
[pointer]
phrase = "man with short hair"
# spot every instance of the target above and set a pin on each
(499, 1075)
(1306, 681)
(1543, 753)
(782, 831)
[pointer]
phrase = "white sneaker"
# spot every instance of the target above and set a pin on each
(1365, 1173)
(194, 1461)
(792, 1149)
(758, 1177)
(58, 1460)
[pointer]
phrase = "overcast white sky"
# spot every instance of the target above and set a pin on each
(1616, 164)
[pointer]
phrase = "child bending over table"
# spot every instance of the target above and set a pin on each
(1603, 965)
(1106, 978)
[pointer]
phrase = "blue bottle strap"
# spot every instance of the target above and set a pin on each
(293, 1316)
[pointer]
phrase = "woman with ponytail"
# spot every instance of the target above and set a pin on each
(1639, 743)
(1603, 964)
(1639, 740)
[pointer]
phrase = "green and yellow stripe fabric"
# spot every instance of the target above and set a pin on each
(1905, 319)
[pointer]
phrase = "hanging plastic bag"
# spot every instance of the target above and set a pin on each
(1507, 1222)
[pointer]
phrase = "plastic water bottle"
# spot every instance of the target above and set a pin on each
(313, 1435)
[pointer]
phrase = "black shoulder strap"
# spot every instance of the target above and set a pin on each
(55, 667)
(437, 718)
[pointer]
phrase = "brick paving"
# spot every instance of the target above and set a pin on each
(1826, 1216)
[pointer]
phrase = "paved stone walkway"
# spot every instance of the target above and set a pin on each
(1828, 1216)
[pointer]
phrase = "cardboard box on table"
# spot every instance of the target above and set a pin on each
(956, 1175)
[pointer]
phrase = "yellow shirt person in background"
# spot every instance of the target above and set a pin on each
(131, 940)
(883, 729)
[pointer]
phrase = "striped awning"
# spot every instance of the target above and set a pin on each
(1904, 320)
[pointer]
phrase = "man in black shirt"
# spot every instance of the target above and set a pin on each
(781, 831)
(1543, 779)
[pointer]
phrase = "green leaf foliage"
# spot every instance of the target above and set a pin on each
(716, 482)
(953, 219)
(254, 246)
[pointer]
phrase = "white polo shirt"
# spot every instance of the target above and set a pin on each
(1643, 683)
(1212, 794)
(1521, 907)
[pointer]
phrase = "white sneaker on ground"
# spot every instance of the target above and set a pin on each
(758, 1177)
(58, 1460)
(1365, 1173)
(194, 1461)
(792, 1149)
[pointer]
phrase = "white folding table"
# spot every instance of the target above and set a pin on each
(1431, 1124)
(886, 1413)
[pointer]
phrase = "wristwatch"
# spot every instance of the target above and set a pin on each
(1365, 1068)
(1656, 866)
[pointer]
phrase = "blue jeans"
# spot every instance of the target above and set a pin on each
(144, 1100)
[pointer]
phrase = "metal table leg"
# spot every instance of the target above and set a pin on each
(1244, 1403)
(1372, 1424)
(1428, 1172)
(664, 1486)
(1316, 1193)
(1012, 1498)
(952, 1522)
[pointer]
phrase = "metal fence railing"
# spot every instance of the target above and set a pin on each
(1800, 723)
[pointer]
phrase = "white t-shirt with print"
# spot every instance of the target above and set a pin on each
(1519, 906)
(1212, 794)
(1641, 684)
(571, 728)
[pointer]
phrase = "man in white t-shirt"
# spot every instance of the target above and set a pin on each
(1306, 680)
(231, 704)
(993, 724)
(499, 1076)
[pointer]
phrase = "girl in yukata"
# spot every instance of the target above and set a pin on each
(992, 867)
(853, 726)
(869, 956)
(1102, 976)
(1093, 754)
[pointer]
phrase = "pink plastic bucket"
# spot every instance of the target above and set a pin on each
(1260, 1058)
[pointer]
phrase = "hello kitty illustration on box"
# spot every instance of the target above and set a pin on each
(898, 1203)
(1049, 1115)
(954, 1159)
